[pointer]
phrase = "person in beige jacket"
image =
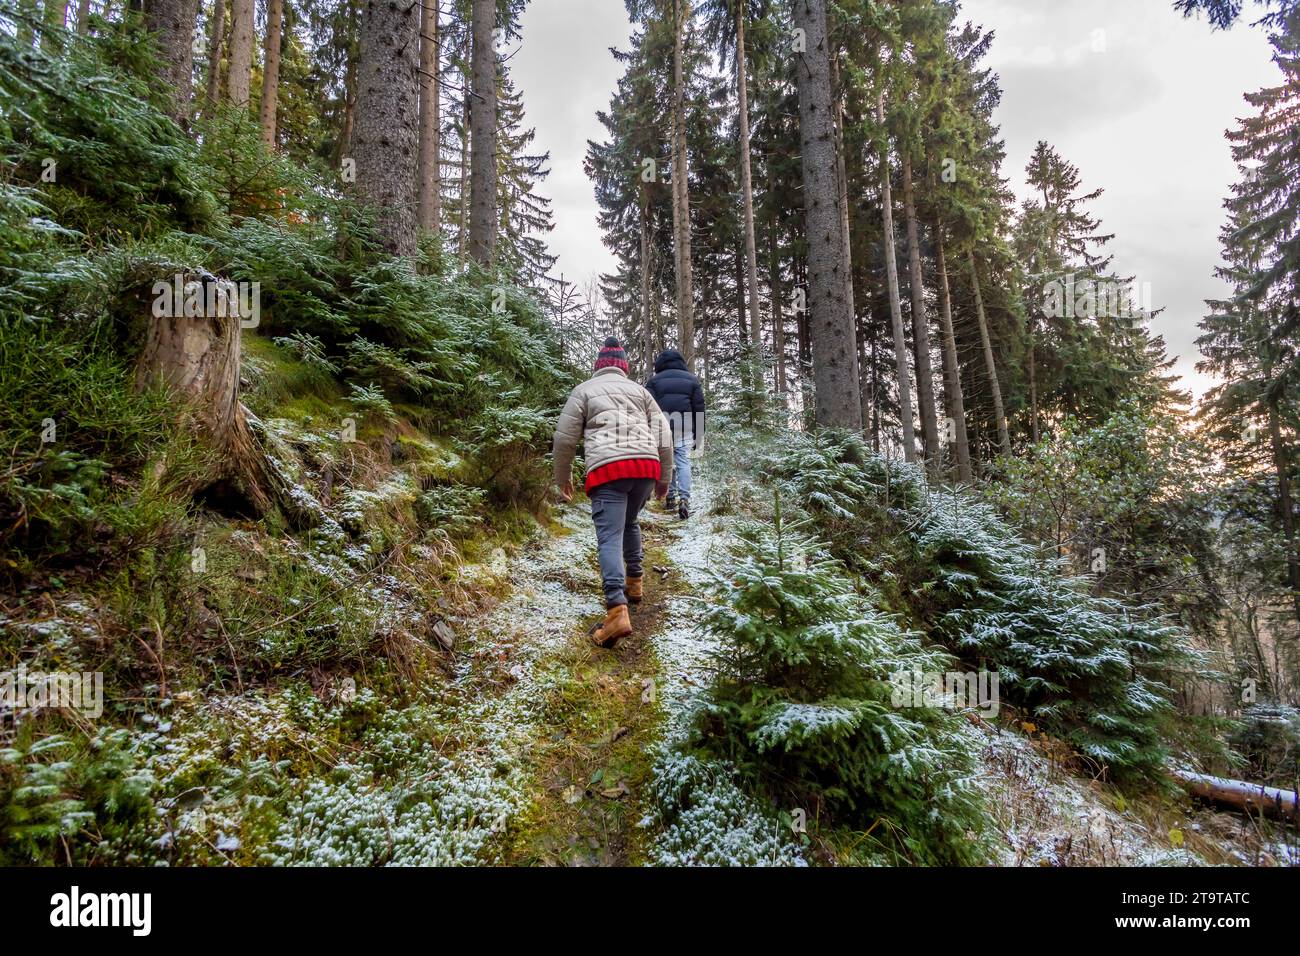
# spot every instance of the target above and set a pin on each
(628, 447)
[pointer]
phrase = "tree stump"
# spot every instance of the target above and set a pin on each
(192, 347)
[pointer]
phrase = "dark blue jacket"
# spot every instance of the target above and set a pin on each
(679, 395)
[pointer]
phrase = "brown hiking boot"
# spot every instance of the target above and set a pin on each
(633, 590)
(617, 624)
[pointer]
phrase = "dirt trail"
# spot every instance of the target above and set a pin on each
(574, 727)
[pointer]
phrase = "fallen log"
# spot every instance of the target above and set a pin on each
(1240, 795)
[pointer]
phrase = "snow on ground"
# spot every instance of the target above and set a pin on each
(469, 742)
(1050, 817)
(695, 549)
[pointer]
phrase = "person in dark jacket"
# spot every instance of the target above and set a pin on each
(681, 399)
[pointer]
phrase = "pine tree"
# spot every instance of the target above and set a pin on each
(525, 214)
(803, 701)
(1252, 340)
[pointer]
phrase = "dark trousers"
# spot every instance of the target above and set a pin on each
(615, 507)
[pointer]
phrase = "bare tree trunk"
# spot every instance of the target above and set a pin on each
(956, 401)
(172, 24)
(682, 260)
(430, 171)
(216, 36)
(1004, 439)
(387, 112)
(875, 399)
(895, 306)
(778, 316)
(682, 263)
(483, 136)
(344, 146)
(239, 66)
(830, 310)
(271, 69)
(462, 235)
(775, 291)
(83, 17)
(747, 191)
(55, 20)
(648, 344)
(920, 327)
(842, 195)
(27, 22)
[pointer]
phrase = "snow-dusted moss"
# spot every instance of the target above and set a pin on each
(703, 818)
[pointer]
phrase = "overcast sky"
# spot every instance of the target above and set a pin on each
(1130, 92)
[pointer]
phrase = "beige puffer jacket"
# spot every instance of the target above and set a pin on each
(616, 419)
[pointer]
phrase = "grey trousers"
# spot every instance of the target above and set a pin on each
(615, 507)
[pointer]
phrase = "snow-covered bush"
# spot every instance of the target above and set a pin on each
(803, 704)
(1088, 669)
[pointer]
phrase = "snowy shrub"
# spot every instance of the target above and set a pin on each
(452, 509)
(802, 703)
(1088, 669)
(1269, 739)
(370, 401)
(52, 789)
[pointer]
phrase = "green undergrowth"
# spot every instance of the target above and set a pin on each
(1091, 670)
(256, 671)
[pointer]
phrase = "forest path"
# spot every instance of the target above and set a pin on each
(583, 723)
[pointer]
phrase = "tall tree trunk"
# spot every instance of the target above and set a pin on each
(682, 262)
(483, 136)
(462, 202)
(172, 24)
(956, 401)
(83, 17)
(387, 115)
(271, 69)
(430, 171)
(895, 306)
(239, 65)
(864, 399)
(875, 397)
(344, 146)
(830, 310)
(806, 395)
(26, 27)
(920, 327)
(986, 342)
(1282, 469)
(778, 316)
(216, 36)
(747, 192)
(656, 302)
(56, 19)
(842, 191)
(647, 318)
(704, 350)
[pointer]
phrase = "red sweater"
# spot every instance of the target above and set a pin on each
(626, 468)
